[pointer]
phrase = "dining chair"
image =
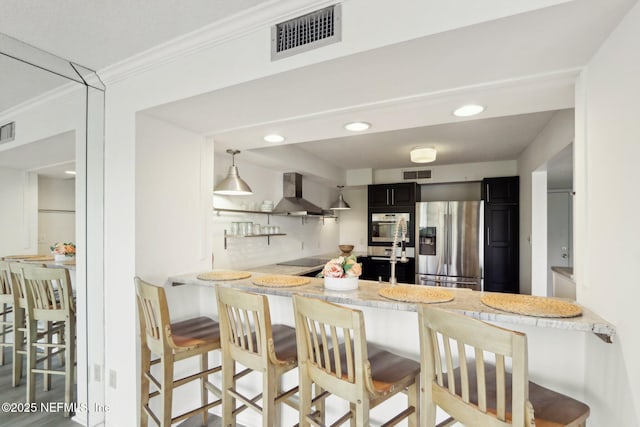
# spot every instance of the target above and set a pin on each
(333, 354)
(49, 300)
(171, 343)
(250, 340)
(478, 389)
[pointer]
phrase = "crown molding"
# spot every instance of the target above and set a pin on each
(216, 33)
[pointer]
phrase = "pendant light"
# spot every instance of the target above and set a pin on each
(340, 204)
(233, 185)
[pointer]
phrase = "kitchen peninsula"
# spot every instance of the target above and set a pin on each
(556, 351)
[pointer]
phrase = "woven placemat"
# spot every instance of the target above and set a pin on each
(22, 256)
(415, 293)
(280, 281)
(531, 305)
(224, 275)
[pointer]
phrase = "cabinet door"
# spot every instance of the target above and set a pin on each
(379, 195)
(501, 190)
(403, 194)
(382, 195)
(501, 259)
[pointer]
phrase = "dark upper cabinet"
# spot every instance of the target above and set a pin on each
(501, 190)
(501, 244)
(388, 195)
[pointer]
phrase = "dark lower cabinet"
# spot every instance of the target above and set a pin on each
(376, 269)
(501, 243)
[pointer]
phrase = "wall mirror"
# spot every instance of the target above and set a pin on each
(52, 121)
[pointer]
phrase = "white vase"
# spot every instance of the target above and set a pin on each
(341, 283)
(60, 258)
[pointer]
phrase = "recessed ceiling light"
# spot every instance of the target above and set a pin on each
(468, 110)
(357, 126)
(274, 137)
(70, 172)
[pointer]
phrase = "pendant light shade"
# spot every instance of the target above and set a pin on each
(233, 185)
(340, 204)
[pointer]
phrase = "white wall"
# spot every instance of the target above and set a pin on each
(451, 173)
(606, 220)
(231, 58)
(56, 212)
(558, 133)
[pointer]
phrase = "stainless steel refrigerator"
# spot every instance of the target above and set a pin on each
(449, 244)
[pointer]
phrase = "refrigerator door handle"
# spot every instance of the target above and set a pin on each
(488, 236)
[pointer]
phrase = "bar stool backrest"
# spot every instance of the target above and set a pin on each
(245, 328)
(332, 347)
(153, 310)
(6, 291)
(442, 335)
(17, 280)
(48, 292)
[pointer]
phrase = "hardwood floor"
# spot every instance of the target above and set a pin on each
(48, 414)
(12, 400)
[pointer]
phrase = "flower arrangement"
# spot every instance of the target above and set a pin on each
(343, 266)
(66, 249)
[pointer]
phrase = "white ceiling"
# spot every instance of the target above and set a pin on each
(408, 91)
(96, 34)
(521, 67)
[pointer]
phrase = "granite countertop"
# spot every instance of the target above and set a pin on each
(466, 301)
(564, 271)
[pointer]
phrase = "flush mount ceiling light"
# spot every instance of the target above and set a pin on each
(274, 137)
(340, 204)
(423, 154)
(233, 185)
(70, 172)
(357, 126)
(468, 110)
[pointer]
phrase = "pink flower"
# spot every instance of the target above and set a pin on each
(333, 269)
(355, 270)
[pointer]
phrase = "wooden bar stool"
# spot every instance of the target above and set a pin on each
(172, 342)
(333, 353)
(480, 392)
(6, 308)
(50, 300)
(249, 338)
(23, 337)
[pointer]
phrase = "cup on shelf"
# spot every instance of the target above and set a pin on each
(257, 229)
(266, 206)
(235, 229)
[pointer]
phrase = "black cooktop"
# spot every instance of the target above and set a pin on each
(305, 262)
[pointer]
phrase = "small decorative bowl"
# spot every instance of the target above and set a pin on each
(346, 249)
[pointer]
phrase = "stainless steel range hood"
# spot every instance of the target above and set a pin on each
(292, 202)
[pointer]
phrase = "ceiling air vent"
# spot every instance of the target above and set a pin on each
(306, 32)
(418, 174)
(7, 132)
